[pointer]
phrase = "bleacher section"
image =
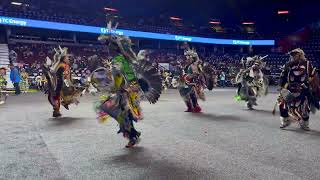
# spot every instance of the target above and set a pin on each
(4, 55)
(311, 48)
(4, 61)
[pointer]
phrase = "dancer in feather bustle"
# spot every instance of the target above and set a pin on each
(252, 83)
(61, 90)
(300, 90)
(125, 80)
(192, 82)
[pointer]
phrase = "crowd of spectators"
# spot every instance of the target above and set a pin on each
(159, 24)
(32, 55)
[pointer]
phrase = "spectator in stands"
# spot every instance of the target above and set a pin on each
(222, 79)
(13, 56)
(15, 78)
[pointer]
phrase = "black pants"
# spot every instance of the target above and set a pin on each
(194, 99)
(17, 88)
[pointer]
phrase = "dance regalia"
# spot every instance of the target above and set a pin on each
(124, 82)
(165, 80)
(3, 86)
(61, 90)
(209, 75)
(300, 91)
(192, 83)
(251, 81)
(24, 83)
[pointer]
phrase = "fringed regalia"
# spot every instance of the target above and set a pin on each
(300, 90)
(3, 86)
(61, 90)
(192, 82)
(251, 81)
(166, 80)
(125, 81)
(24, 81)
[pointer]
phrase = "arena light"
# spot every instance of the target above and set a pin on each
(11, 21)
(16, 3)
(215, 22)
(175, 18)
(248, 23)
(110, 9)
(283, 12)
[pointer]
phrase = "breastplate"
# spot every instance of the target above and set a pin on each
(297, 77)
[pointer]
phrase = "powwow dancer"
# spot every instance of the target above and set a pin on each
(124, 81)
(192, 82)
(300, 91)
(251, 81)
(61, 90)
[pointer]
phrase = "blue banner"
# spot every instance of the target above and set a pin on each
(138, 34)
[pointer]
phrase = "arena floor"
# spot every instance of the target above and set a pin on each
(226, 141)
